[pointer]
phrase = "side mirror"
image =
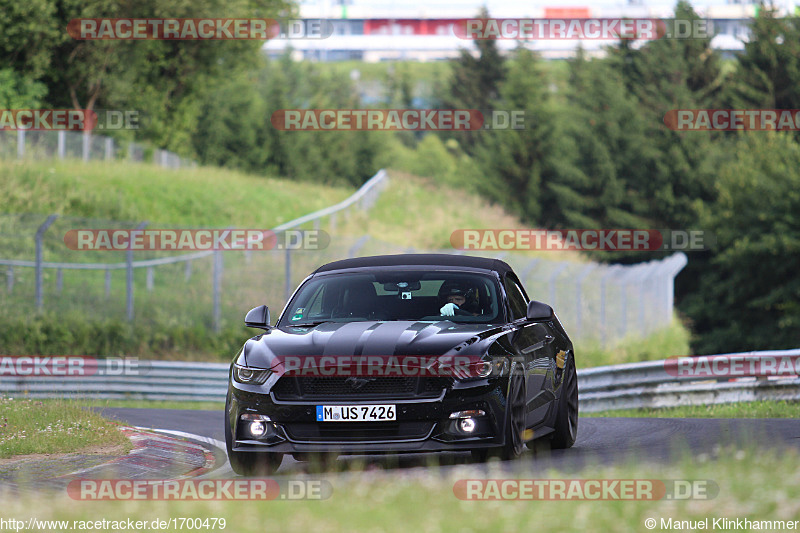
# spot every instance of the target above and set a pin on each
(258, 317)
(539, 311)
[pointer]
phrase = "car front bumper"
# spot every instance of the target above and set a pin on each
(421, 425)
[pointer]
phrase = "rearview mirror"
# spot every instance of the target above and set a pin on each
(539, 311)
(258, 317)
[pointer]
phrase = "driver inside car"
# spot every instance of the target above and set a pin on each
(457, 299)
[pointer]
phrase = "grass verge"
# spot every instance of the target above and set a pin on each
(755, 484)
(153, 404)
(53, 426)
(759, 409)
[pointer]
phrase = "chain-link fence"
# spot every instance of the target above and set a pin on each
(216, 288)
(87, 147)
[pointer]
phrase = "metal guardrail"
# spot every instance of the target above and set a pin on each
(149, 380)
(654, 384)
(628, 386)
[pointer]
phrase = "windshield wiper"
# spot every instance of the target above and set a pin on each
(309, 324)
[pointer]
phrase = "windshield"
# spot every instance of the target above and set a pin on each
(404, 295)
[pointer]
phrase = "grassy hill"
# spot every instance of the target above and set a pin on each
(133, 192)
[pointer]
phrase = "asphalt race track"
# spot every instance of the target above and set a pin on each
(600, 441)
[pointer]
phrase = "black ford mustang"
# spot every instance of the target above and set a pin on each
(402, 353)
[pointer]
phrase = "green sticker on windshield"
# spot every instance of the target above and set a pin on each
(298, 314)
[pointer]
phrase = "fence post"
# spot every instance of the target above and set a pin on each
(579, 293)
(39, 234)
(647, 270)
(287, 274)
(150, 276)
(187, 272)
(603, 308)
(59, 280)
(62, 144)
(523, 276)
(108, 282)
(20, 144)
(87, 138)
(552, 282)
(357, 246)
(109, 148)
(623, 287)
(10, 279)
(129, 275)
(217, 281)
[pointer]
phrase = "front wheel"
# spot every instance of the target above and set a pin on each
(566, 426)
(514, 426)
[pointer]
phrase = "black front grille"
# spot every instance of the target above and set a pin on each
(357, 431)
(293, 388)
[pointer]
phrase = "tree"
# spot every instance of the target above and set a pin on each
(520, 166)
(662, 75)
(476, 83)
(768, 72)
(748, 298)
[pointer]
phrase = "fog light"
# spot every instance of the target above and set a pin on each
(467, 425)
(484, 369)
(258, 429)
(258, 425)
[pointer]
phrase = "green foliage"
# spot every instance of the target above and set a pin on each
(18, 91)
(522, 164)
(748, 297)
(768, 73)
(666, 74)
(75, 334)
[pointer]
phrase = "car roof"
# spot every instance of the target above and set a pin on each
(432, 260)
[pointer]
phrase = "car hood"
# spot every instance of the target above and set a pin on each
(367, 338)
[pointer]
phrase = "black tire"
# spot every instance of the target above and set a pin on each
(514, 425)
(566, 426)
(250, 463)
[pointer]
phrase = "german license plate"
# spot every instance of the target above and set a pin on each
(356, 413)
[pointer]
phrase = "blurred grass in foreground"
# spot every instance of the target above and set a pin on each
(753, 483)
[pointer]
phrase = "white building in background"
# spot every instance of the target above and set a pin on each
(422, 30)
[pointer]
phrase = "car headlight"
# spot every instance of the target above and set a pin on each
(250, 376)
(494, 368)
